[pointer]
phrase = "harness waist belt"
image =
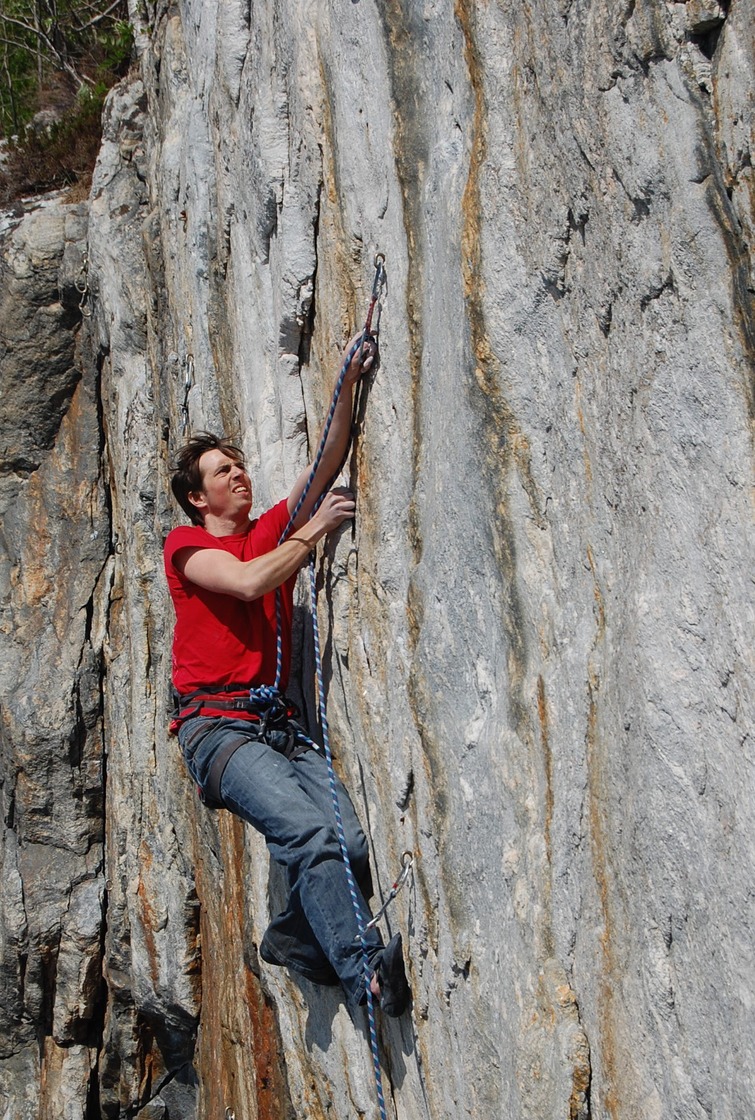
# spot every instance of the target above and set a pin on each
(269, 708)
(236, 704)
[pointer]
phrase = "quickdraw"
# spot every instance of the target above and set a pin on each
(82, 286)
(407, 863)
(188, 385)
(377, 288)
(378, 285)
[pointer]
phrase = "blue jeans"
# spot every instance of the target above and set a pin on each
(289, 801)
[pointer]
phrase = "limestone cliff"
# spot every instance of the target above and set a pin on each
(539, 633)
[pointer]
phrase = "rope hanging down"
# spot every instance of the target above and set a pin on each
(273, 694)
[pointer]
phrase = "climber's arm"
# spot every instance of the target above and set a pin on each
(214, 569)
(338, 436)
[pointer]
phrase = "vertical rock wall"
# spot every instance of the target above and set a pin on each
(55, 593)
(539, 631)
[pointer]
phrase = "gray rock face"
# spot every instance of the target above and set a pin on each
(55, 592)
(39, 309)
(539, 632)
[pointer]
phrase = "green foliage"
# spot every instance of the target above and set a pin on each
(118, 44)
(59, 155)
(61, 56)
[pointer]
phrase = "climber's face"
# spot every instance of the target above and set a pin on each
(226, 487)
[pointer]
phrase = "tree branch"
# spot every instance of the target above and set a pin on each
(63, 63)
(98, 19)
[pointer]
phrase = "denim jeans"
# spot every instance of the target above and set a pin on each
(289, 801)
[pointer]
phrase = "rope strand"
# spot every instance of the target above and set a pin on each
(361, 925)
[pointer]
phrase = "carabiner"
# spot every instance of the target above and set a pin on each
(379, 274)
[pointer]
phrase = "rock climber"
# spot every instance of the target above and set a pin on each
(249, 754)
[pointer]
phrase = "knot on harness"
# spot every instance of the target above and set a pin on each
(272, 707)
(277, 713)
(266, 694)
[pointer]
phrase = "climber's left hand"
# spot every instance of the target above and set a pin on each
(368, 355)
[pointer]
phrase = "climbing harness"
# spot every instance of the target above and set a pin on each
(273, 694)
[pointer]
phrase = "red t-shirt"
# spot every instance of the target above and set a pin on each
(219, 639)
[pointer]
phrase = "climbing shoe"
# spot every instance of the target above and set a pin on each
(394, 989)
(298, 963)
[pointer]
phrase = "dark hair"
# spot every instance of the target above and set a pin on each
(187, 479)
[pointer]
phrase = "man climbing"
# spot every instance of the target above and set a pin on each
(244, 750)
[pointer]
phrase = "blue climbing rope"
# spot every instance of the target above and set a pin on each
(361, 925)
(272, 694)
